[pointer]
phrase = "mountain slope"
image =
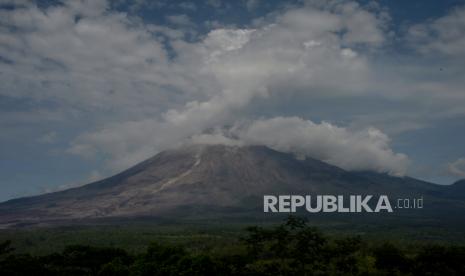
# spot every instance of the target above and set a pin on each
(210, 178)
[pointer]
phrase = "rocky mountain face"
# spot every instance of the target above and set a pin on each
(219, 180)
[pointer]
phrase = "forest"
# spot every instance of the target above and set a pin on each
(290, 248)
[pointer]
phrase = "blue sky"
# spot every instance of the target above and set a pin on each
(89, 88)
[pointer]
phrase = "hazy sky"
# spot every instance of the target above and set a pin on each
(89, 88)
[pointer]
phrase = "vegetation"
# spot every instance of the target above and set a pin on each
(291, 248)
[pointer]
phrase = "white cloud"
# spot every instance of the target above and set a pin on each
(144, 97)
(218, 137)
(443, 35)
(366, 149)
(83, 54)
(457, 168)
(362, 25)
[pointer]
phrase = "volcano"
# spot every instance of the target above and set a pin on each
(220, 181)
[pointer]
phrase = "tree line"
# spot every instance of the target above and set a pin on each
(291, 248)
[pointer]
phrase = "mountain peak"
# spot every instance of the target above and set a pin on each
(206, 178)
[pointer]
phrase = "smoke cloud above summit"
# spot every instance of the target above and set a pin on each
(366, 149)
(296, 50)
